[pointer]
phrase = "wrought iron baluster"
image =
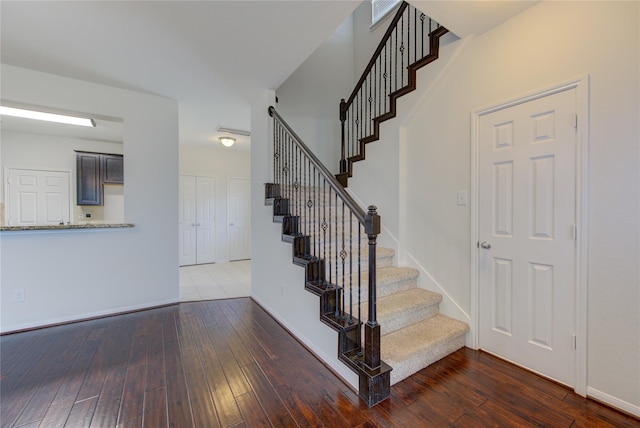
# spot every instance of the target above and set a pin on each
(415, 34)
(360, 285)
(315, 212)
(324, 227)
(402, 51)
(343, 256)
(335, 238)
(422, 17)
(351, 267)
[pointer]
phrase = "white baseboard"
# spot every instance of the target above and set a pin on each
(86, 316)
(613, 401)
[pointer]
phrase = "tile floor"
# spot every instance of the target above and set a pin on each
(215, 281)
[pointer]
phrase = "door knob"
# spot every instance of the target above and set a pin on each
(485, 245)
(193, 224)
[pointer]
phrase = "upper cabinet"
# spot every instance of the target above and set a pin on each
(113, 169)
(93, 171)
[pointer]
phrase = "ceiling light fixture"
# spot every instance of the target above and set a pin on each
(49, 117)
(227, 141)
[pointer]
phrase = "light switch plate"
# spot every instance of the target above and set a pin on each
(462, 197)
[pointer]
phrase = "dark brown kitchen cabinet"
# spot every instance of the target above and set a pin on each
(93, 170)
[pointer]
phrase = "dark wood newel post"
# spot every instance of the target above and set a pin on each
(343, 118)
(372, 328)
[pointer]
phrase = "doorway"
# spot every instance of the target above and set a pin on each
(197, 220)
(529, 233)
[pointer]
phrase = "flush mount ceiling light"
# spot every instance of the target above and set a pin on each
(227, 141)
(49, 117)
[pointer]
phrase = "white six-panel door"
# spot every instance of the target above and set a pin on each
(239, 216)
(187, 219)
(205, 215)
(527, 251)
(197, 220)
(37, 197)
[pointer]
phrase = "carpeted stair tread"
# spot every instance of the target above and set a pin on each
(402, 309)
(412, 348)
(390, 280)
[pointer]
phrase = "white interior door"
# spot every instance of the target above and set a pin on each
(205, 219)
(239, 218)
(197, 220)
(526, 227)
(38, 197)
(187, 219)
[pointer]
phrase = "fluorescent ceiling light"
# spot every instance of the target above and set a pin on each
(49, 117)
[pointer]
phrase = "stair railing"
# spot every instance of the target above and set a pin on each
(410, 42)
(335, 239)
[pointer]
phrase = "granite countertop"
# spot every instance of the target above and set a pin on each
(66, 227)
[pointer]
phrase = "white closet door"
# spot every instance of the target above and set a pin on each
(205, 219)
(239, 216)
(187, 219)
(197, 220)
(526, 225)
(37, 197)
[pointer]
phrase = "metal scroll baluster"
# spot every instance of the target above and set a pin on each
(315, 217)
(422, 17)
(343, 256)
(324, 228)
(360, 285)
(335, 238)
(351, 261)
(402, 51)
(330, 246)
(415, 34)
(408, 40)
(304, 200)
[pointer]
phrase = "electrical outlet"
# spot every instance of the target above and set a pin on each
(18, 295)
(88, 215)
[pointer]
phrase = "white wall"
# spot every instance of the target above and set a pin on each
(309, 100)
(221, 164)
(70, 275)
(278, 285)
(550, 43)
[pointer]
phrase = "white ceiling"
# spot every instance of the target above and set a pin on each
(214, 57)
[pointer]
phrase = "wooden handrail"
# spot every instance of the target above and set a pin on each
(376, 54)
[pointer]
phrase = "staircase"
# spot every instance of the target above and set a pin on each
(388, 328)
(411, 42)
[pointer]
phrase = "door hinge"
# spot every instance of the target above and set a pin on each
(575, 121)
(575, 341)
(574, 231)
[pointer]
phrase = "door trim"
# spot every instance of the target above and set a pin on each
(581, 86)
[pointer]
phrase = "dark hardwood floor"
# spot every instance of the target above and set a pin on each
(227, 363)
